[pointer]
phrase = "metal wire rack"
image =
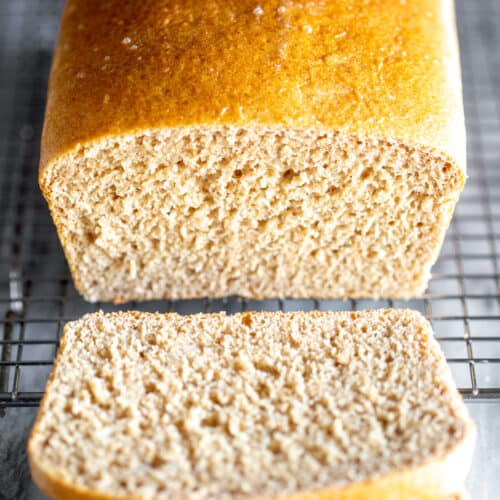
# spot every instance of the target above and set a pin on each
(36, 292)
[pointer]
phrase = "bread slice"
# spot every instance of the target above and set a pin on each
(262, 149)
(257, 405)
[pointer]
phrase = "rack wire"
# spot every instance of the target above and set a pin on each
(36, 292)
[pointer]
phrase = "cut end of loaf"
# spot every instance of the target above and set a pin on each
(251, 405)
(259, 212)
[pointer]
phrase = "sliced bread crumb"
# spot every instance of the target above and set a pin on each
(251, 405)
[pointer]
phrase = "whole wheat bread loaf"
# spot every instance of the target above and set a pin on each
(263, 148)
(257, 405)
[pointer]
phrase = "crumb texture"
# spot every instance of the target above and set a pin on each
(259, 212)
(251, 405)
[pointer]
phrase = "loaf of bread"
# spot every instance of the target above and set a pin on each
(261, 148)
(257, 405)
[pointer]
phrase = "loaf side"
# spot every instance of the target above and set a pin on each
(262, 149)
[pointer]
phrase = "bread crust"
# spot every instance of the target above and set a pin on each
(126, 69)
(439, 478)
(122, 67)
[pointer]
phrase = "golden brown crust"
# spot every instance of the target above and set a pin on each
(388, 71)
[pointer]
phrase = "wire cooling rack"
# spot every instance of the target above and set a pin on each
(36, 292)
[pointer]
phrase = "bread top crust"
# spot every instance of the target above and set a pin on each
(385, 69)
